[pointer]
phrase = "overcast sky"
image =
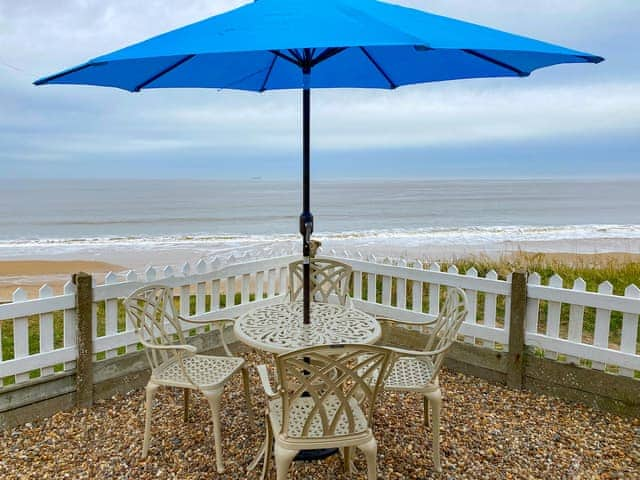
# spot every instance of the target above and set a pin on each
(568, 120)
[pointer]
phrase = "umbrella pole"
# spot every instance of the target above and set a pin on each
(306, 218)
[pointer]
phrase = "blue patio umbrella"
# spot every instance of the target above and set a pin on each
(285, 44)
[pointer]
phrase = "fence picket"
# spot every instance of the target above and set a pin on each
(201, 295)
(507, 307)
(371, 283)
(602, 324)
(246, 292)
(46, 329)
(416, 290)
(271, 286)
(434, 292)
(111, 313)
(215, 295)
(401, 287)
(20, 334)
(131, 276)
(472, 298)
(576, 320)
(94, 319)
(553, 315)
(533, 306)
(259, 285)
(357, 285)
(70, 320)
(386, 286)
(629, 333)
(230, 292)
(284, 280)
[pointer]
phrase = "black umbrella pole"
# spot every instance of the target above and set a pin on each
(306, 218)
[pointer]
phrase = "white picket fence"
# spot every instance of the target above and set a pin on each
(389, 288)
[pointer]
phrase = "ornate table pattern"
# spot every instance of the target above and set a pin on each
(279, 328)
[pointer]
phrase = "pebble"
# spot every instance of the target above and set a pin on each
(487, 432)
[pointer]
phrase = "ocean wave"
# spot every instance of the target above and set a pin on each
(468, 235)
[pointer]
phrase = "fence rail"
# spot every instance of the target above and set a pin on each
(38, 335)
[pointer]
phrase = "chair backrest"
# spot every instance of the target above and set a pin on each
(328, 277)
(445, 328)
(331, 381)
(152, 312)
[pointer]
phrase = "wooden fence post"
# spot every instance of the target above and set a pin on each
(515, 366)
(84, 365)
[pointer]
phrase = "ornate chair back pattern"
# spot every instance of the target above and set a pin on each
(445, 329)
(330, 390)
(328, 277)
(153, 314)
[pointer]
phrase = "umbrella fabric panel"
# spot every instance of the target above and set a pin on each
(359, 67)
(271, 25)
(285, 24)
(437, 31)
(115, 74)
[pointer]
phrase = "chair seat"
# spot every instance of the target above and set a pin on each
(409, 373)
(204, 370)
(303, 407)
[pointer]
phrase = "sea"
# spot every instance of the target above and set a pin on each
(142, 222)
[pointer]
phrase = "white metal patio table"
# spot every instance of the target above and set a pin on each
(279, 329)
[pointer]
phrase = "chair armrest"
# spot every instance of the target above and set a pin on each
(221, 324)
(179, 346)
(263, 373)
(408, 323)
(403, 352)
(207, 322)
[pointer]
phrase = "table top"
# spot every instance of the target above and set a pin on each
(279, 328)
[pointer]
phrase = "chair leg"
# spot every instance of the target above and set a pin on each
(265, 450)
(268, 451)
(370, 450)
(425, 405)
(347, 454)
(283, 457)
(213, 397)
(186, 392)
(247, 393)
(435, 399)
(151, 391)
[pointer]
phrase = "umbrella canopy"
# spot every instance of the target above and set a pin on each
(283, 44)
(353, 43)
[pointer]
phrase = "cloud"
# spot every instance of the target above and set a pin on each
(64, 125)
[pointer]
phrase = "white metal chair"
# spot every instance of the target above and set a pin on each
(174, 363)
(328, 277)
(325, 399)
(417, 370)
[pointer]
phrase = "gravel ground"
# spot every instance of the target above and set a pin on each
(488, 432)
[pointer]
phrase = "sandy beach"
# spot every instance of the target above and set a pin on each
(32, 274)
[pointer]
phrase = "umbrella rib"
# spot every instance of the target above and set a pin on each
(286, 57)
(266, 78)
(296, 54)
(379, 68)
(326, 54)
(489, 59)
(45, 80)
(163, 72)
